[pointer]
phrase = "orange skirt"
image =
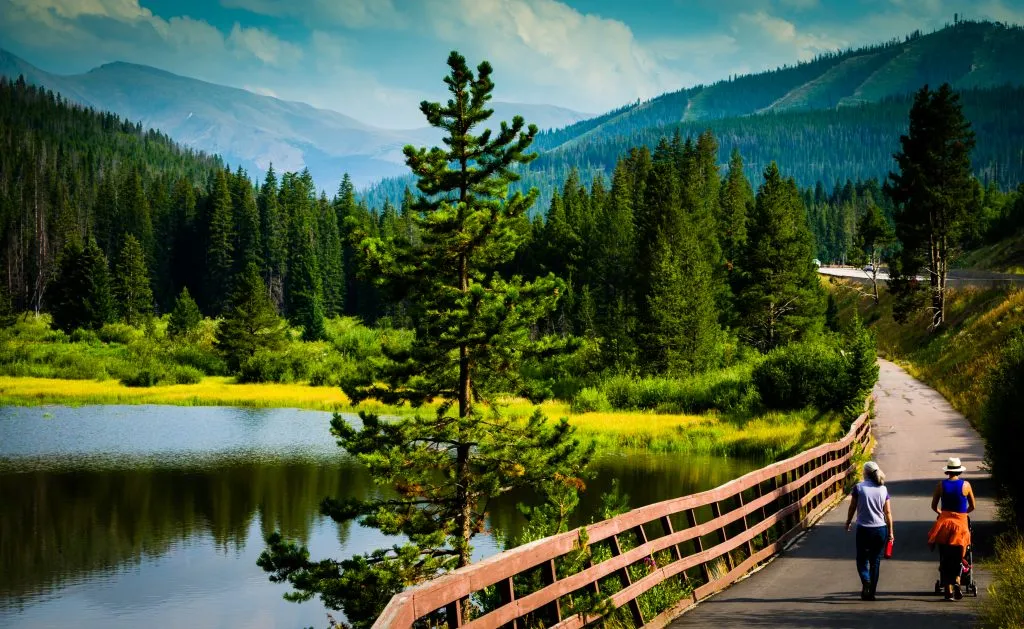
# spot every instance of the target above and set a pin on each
(950, 528)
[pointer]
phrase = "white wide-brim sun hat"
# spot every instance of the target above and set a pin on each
(953, 466)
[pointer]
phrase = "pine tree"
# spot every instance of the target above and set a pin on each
(874, 237)
(81, 294)
(274, 238)
(250, 322)
(220, 251)
(134, 218)
(779, 296)
(131, 284)
(472, 331)
(247, 246)
(933, 191)
(735, 199)
(185, 318)
(330, 258)
(304, 296)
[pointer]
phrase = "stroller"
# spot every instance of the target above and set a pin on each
(967, 583)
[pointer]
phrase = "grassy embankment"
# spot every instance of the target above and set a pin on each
(1005, 256)
(956, 362)
(39, 366)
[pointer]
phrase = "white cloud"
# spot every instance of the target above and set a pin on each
(781, 37)
(325, 13)
(579, 60)
(264, 46)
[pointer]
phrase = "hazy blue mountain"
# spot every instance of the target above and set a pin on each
(250, 129)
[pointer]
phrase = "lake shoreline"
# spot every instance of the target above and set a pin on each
(772, 434)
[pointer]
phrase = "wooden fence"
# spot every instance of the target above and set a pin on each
(650, 563)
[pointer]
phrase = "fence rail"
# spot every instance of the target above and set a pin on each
(639, 558)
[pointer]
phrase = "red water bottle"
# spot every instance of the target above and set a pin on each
(888, 549)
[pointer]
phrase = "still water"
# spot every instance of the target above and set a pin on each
(132, 516)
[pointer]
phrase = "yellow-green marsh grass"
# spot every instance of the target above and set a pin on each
(212, 391)
(772, 434)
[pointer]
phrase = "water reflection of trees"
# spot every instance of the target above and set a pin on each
(646, 478)
(61, 526)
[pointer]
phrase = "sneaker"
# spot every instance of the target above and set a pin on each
(957, 593)
(865, 592)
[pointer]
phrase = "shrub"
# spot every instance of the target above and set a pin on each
(809, 373)
(118, 333)
(1002, 425)
(590, 400)
(56, 336)
(1004, 606)
(85, 335)
(728, 390)
(275, 366)
(183, 374)
(149, 375)
(206, 360)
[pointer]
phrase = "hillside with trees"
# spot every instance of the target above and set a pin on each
(834, 118)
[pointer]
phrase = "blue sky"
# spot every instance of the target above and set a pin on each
(376, 59)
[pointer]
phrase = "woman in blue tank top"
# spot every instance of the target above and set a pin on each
(951, 532)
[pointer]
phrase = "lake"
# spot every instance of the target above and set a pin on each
(130, 516)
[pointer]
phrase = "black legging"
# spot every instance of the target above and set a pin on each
(950, 566)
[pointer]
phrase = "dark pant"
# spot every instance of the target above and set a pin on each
(870, 543)
(950, 563)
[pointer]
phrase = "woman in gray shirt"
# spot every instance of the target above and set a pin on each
(870, 502)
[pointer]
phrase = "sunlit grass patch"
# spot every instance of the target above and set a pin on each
(212, 391)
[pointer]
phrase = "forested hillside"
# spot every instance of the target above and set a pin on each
(967, 55)
(71, 176)
(835, 118)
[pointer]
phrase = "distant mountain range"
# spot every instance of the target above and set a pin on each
(250, 129)
(755, 112)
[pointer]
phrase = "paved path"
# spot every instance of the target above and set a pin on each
(815, 583)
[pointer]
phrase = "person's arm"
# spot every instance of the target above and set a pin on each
(936, 496)
(888, 518)
(969, 492)
(853, 509)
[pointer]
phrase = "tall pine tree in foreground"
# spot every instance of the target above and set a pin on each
(933, 192)
(472, 331)
(779, 297)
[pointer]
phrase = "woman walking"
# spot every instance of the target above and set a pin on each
(951, 532)
(870, 503)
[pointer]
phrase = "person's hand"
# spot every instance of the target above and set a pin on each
(848, 526)
(891, 537)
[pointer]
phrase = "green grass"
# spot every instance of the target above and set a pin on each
(1004, 607)
(1005, 256)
